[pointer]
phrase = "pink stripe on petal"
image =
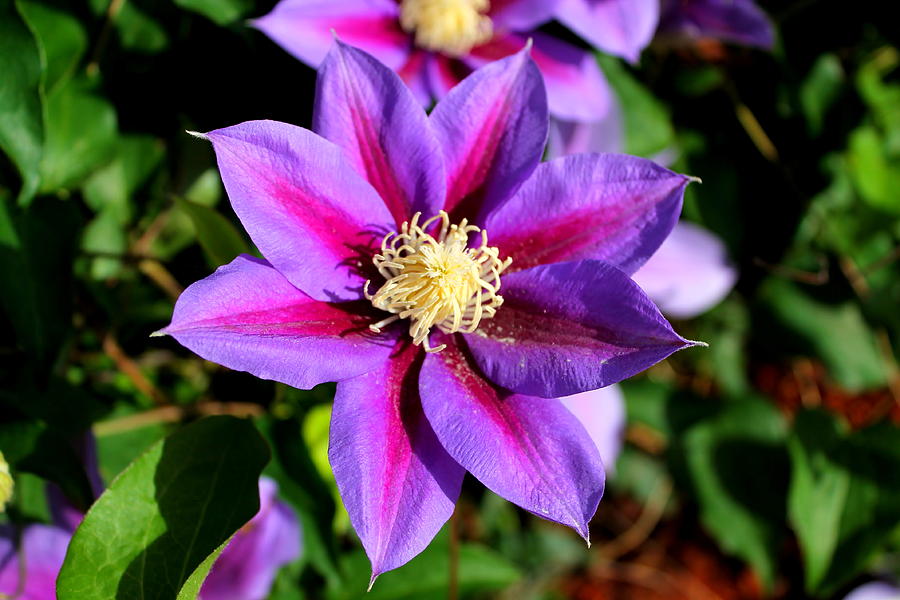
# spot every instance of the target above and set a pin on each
(531, 451)
(610, 207)
(365, 108)
(571, 327)
(310, 214)
(247, 316)
(492, 128)
(397, 482)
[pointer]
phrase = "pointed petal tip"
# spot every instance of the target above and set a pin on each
(160, 333)
(693, 179)
(372, 581)
(693, 343)
(196, 134)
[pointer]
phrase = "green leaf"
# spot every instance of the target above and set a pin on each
(166, 513)
(821, 88)
(837, 334)
(81, 135)
(870, 171)
(648, 127)
(37, 246)
(111, 187)
(844, 499)
(220, 12)
(105, 235)
(21, 98)
(738, 468)
(61, 37)
(191, 588)
(220, 240)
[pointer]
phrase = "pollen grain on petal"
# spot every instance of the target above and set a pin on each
(436, 279)
(451, 27)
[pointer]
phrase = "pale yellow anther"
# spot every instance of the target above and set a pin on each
(448, 26)
(437, 280)
(6, 483)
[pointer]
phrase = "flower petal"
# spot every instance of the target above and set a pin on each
(310, 214)
(44, 551)
(689, 274)
(531, 451)
(397, 482)
(571, 327)
(247, 316)
(620, 27)
(521, 15)
(365, 108)
(492, 128)
(306, 28)
(576, 87)
(579, 137)
(610, 207)
(738, 21)
(602, 412)
(247, 567)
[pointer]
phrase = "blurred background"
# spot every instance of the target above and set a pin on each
(766, 466)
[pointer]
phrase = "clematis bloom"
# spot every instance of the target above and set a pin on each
(247, 566)
(875, 590)
(434, 44)
(735, 21)
(450, 347)
(43, 548)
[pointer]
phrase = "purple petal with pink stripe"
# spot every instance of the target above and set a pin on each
(492, 128)
(571, 327)
(306, 28)
(397, 482)
(531, 451)
(365, 108)
(610, 207)
(307, 209)
(247, 316)
(620, 27)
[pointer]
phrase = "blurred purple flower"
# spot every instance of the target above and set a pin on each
(875, 590)
(434, 44)
(407, 423)
(43, 548)
(248, 565)
(735, 21)
(602, 412)
(689, 274)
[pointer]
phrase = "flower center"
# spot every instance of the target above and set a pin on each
(437, 281)
(448, 26)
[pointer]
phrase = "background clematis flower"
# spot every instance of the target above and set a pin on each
(602, 413)
(434, 44)
(437, 375)
(875, 590)
(689, 274)
(42, 548)
(735, 21)
(247, 566)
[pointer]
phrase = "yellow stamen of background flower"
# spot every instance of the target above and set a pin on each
(6, 483)
(437, 281)
(448, 26)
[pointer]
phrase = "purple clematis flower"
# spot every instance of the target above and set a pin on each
(434, 44)
(875, 590)
(438, 374)
(735, 21)
(602, 413)
(43, 549)
(689, 274)
(247, 567)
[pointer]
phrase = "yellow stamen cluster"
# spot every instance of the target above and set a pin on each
(448, 26)
(437, 281)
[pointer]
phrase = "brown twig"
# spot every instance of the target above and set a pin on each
(820, 277)
(161, 276)
(126, 365)
(641, 529)
(174, 414)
